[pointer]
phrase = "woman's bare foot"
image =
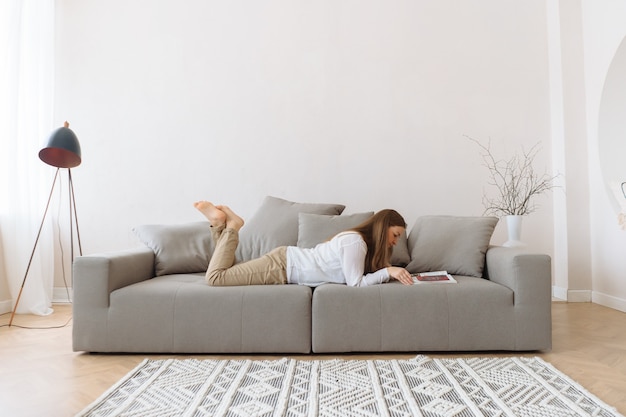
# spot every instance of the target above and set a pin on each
(233, 221)
(213, 214)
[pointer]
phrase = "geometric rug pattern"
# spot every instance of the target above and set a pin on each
(510, 386)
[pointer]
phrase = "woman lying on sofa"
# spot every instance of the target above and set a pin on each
(357, 257)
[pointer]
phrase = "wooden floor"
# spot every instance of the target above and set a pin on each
(41, 376)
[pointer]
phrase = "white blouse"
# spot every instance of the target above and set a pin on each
(340, 260)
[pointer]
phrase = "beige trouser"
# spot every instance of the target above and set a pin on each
(269, 269)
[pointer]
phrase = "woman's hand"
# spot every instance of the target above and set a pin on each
(400, 274)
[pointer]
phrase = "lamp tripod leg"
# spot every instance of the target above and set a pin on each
(73, 208)
(34, 247)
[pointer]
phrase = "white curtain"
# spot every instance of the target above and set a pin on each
(26, 121)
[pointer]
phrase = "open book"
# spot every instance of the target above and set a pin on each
(436, 277)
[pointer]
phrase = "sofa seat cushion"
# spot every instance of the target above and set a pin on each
(474, 314)
(180, 313)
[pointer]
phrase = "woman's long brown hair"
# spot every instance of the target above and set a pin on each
(374, 233)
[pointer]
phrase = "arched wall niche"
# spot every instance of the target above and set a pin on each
(612, 130)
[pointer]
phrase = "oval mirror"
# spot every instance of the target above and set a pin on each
(612, 130)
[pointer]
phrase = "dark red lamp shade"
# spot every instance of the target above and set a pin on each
(62, 150)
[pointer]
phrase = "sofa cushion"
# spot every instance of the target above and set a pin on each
(318, 228)
(275, 224)
(180, 313)
(178, 249)
(400, 255)
(455, 244)
(474, 314)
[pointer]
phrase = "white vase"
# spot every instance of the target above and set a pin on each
(514, 229)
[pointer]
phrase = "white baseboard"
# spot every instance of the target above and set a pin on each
(579, 296)
(587, 296)
(609, 301)
(572, 296)
(60, 295)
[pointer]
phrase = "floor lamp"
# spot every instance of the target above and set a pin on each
(62, 151)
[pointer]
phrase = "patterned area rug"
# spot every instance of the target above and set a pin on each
(287, 387)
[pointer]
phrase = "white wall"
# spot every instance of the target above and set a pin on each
(604, 30)
(572, 257)
(359, 102)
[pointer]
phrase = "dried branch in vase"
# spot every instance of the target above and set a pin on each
(515, 180)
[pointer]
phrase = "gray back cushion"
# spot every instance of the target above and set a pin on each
(318, 228)
(179, 248)
(451, 243)
(275, 224)
(400, 255)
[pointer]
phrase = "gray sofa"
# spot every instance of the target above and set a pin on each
(154, 298)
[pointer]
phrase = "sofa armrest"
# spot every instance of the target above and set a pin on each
(94, 278)
(529, 275)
